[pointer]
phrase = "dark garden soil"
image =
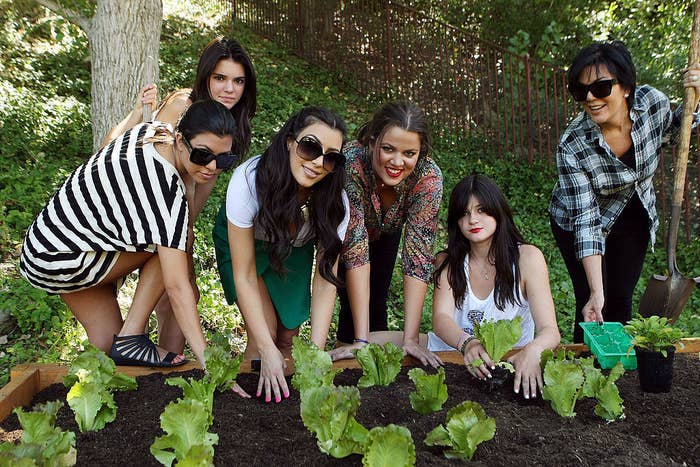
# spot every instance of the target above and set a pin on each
(659, 429)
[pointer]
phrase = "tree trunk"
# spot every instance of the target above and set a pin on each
(124, 38)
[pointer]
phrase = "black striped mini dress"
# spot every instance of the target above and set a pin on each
(126, 197)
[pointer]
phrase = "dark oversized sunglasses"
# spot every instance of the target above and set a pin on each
(599, 89)
(309, 149)
(201, 156)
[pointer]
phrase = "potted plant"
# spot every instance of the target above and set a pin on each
(654, 342)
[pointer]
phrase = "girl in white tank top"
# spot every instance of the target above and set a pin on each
(489, 272)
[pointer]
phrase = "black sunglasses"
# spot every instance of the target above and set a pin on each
(309, 149)
(599, 89)
(201, 156)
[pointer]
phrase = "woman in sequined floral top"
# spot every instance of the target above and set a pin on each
(393, 186)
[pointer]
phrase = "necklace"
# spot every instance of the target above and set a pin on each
(484, 273)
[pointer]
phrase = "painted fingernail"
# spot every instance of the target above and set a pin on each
(257, 394)
(489, 376)
(493, 367)
(517, 391)
(267, 399)
(278, 399)
(286, 394)
(527, 396)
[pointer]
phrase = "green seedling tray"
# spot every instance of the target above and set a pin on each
(609, 343)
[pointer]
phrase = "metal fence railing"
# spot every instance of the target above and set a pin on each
(382, 48)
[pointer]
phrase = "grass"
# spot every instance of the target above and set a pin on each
(45, 133)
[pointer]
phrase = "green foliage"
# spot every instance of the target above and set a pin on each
(603, 388)
(329, 412)
(201, 390)
(42, 443)
(380, 365)
(187, 440)
(389, 446)
(312, 366)
(498, 337)
(222, 367)
(653, 333)
(431, 390)
(92, 378)
(467, 426)
(568, 379)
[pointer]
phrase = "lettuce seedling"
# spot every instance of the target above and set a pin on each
(312, 366)
(185, 423)
(431, 390)
(603, 389)
(568, 379)
(329, 412)
(198, 389)
(380, 365)
(222, 367)
(563, 381)
(498, 337)
(42, 442)
(389, 446)
(467, 426)
(92, 378)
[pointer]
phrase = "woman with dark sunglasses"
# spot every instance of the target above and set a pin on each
(602, 210)
(393, 186)
(127, 208)
(280, 208)
(225, 74)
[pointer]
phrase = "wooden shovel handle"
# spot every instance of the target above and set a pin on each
(689, 104)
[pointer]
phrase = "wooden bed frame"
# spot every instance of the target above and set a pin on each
(28, 379)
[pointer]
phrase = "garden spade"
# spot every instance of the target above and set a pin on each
(667, 295)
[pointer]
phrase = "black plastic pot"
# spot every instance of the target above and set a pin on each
(655, 371)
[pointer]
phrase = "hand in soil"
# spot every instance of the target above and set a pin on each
(345, 352)
(240, 391)
(528, 373)
(425, 356)
(272, 380)
(476, 351)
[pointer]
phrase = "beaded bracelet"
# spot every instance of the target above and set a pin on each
(463, 347)
(364, 341)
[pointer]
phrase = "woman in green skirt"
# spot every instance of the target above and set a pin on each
(280, 207)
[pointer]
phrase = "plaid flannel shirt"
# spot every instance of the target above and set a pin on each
(594, 186)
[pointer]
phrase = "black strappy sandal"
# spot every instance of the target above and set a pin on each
(138, 350)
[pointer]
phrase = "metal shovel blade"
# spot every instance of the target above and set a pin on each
(666, 296)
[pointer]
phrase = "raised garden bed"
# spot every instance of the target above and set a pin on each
(660, 429)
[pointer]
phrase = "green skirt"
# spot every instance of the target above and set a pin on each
(290, 295)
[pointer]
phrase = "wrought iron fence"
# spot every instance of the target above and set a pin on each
(384, 49)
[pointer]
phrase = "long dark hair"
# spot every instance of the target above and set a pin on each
(277, 192)
(219, 49)
(616, 58)
(402, 114)
(504, 244)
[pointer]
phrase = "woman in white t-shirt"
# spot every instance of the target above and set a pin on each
(488, 272)
(280, 207)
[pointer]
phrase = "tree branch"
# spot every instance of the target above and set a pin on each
(71, 15)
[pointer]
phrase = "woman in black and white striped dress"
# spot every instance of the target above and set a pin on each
(127, 208)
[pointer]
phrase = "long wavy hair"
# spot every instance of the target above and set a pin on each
(280, 209)
(503, 252)
(219, 49)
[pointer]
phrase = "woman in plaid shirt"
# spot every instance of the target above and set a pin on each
(602, 209)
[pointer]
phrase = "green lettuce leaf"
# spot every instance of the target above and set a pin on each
(498, 337)
(431, 390)
(389, 446)
(187, 440)
(380, 365)
(94, 366)
(42, 442)
(329, 412)
(92, 404)
(222, 367)
(467, 426)
(199, 389)
(563, 381)
(312, 366)
(609, 404)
